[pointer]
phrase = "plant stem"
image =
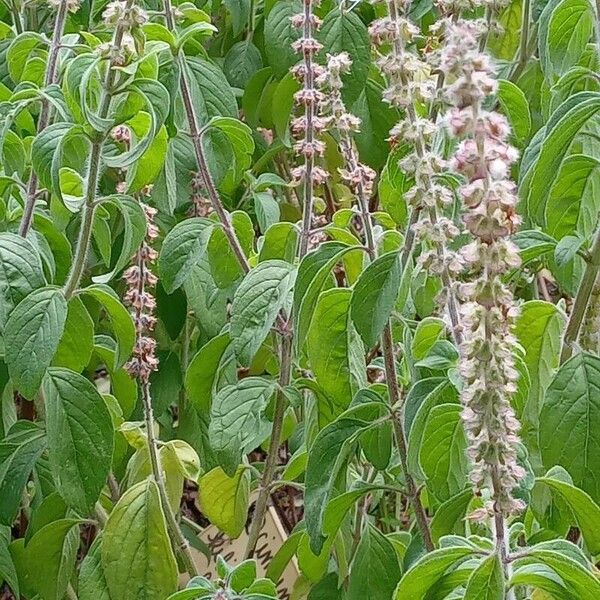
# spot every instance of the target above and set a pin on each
(350, 156)
(389, 358)
(523, 42)
(93, 176)
(287, 338)
(181, 544)
(582, 299)
(196, 138)
(500, 535)
(16, 17)
(395, 400)
(87, 222)
(275, 440)
(44, 119)
(286, 345)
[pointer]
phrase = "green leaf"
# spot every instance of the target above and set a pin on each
(504, 41)
(374, 297)
(241, 62)
(338, 508)
(148, 166)
(569, 29)
(224, 265)
(199, 28)
(77, 342)
(19, 452)
(238, 424)
(566, 249)
(51, 555)
(136, 552)
(585, 510)
(487, 580)
(515, 106)
(428, 571)
(211, 93)
(32, 335)
(377, 118)
(568, 120)
(375, 570)
(421, 399)
(204, 371)
(92, 583)
(538, 329)
(332, 352)
(224, 499)
(264, 291)
(242, 143)
(568, 433)
(450, 516)
(279, 36)
(8, 573)
(156, 101)
(72, 188)
(182, 250)
(392, 186)
(571, 206)
(283, 105)
(22, 272)
(279, 242)
(443, 451)
(326, 456)
(579, 581)
(19, 52)
(266, 208)
(314, 273)
(239, 11)
(426, 335)
(344, 31)
(134, 231)
(80, 437)
(120, 318)
(45, 145)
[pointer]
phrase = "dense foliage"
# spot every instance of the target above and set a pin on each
(339, 258)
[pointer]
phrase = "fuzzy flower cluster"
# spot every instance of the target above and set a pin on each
(72, 5)
(488, 310)
(308, 127)
(118, 11)
(411, 82)
(126, 17)
(358, 176)
(139, 278)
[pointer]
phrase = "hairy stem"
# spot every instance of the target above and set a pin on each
(16, 17)
(196, 137)
(395, 399)
(287, 345)
(87, 222)
(93, 175)
(389, 357)
(501, 536)
(181, 544)
(581, 300)
(44, 118)
(275, 440)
